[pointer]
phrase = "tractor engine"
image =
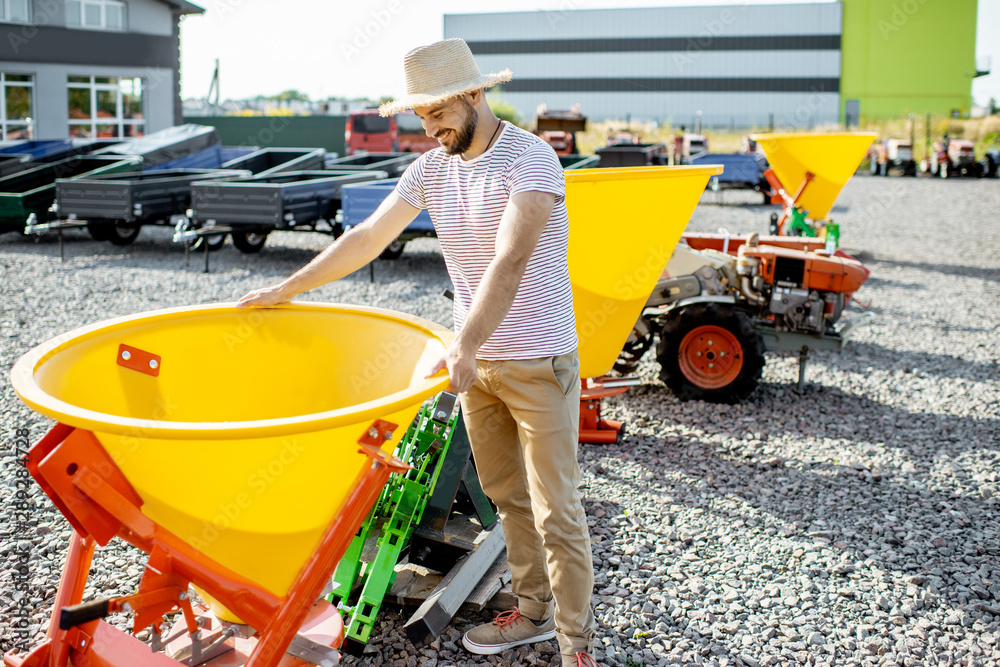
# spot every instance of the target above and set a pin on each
(802, 291)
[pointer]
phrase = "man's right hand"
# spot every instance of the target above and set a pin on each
(263, 297)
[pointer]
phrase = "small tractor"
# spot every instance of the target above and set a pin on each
(892, 153)
(952, 157)
(715, 314)
(688, 145)
(558, 128)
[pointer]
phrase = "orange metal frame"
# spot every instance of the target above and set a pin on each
(781, 195)
(82, 480)
(594, 429)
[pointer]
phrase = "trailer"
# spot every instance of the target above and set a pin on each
(361, 200)
(182, 147)
(742, 171)
(392, 163)
(631, 155)
(266, 161)
(116, 206)
(32, 192)
(254, 206)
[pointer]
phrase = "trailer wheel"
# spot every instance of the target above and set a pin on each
(215, 242)
(710, 352)
(99, 231)
(123, 234)
(393, 251)
(249, 241)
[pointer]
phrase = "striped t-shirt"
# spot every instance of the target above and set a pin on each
(466, 199)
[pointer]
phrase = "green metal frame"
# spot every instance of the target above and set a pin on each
(394, 517)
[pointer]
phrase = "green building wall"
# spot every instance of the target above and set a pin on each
(908, 56)
(278, 131)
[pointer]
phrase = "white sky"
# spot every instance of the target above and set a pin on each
(267, 46)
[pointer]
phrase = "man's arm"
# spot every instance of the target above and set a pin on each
(344, 256)
(521, 226)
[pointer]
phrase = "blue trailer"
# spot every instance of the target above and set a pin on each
(360, 200)
(742, 171)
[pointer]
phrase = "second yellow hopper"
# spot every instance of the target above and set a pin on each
(831, 157)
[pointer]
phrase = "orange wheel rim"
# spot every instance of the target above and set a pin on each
(710, 357)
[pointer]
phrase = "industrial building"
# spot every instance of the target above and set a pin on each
(739, 65)
(89, 68)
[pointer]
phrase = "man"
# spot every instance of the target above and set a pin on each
(496, 196)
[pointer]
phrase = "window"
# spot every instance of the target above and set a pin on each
(94, 14)
(105, 107)
(15, 106)
(15, 11)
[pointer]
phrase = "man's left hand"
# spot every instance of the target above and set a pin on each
(461, 367)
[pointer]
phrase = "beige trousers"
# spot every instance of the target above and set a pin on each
(523, 418)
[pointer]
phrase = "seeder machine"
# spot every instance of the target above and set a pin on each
(726, 299)
(807, 172)
(204, 437)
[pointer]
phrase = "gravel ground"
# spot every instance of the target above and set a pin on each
(852, 523)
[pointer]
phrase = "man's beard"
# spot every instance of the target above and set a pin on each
(463, 136)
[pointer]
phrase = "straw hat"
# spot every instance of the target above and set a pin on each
(439, 71)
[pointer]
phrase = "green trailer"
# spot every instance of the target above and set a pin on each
(33, 191)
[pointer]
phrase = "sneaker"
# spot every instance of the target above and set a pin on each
(507, 630)
(579, 660)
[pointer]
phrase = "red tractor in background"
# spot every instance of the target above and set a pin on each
(558, 128)
(952, 157)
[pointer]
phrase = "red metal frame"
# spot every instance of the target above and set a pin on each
(82, 480)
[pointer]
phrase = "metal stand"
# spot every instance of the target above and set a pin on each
(803, 357)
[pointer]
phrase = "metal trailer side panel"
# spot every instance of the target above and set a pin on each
(33, 191)
(149, 195)
(279, 160)
(275, 201)
(360, 201)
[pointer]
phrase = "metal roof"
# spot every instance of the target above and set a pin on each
(184, 7)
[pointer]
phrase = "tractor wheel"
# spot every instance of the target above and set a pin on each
(393, 251)
(710, 352)
(123, 234)
(99, 231)
(636, 346)
(249, 242)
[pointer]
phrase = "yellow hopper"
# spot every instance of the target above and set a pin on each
(624, 224)
(228, 423)
(832, 158)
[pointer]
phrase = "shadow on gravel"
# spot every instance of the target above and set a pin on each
(941, 365)
(959, 270)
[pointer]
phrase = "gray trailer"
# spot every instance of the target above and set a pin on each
(116, 206)
(254, 207)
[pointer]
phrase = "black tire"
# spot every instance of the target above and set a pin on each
(635, 347)
(99, 231)
(249, 242)
(393, 251)
(704, 334)
(122, 233)
(215, 242)
(987, 168)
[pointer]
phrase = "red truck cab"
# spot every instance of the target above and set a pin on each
(367, 132)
